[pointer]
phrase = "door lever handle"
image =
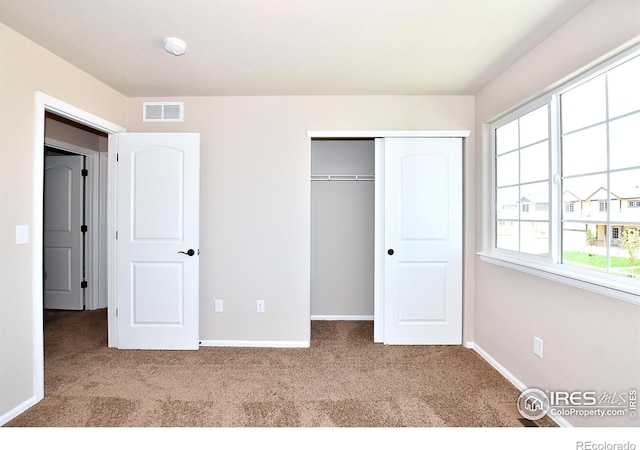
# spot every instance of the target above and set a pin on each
(189, 252)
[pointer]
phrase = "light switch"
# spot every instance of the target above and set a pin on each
(22, 234)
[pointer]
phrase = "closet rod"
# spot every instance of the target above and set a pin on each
(342, 178)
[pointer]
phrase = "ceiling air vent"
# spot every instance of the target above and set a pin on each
(162, 111)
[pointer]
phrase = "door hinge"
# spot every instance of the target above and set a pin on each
(84, 284)
(116, 312)
(117, 157)
(85, 172)
(116, 235)
(84, 228)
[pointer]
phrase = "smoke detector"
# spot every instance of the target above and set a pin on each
(175, 46)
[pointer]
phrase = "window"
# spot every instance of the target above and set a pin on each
(599, 119)
(574, 156)
(522, 178)
(615, 232)
(602, 206)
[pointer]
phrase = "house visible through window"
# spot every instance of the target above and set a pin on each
(575, 156)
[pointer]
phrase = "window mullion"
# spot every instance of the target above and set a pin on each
(609, 234)
(519, 190)
(555, 181)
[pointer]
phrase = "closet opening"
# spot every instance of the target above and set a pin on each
(342, 229)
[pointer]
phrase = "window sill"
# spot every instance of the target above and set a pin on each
(618, 289)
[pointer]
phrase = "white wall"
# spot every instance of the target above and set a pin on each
(255, 191)
(591, 342)
(26, 69)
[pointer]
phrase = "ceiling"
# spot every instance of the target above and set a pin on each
(290, 47)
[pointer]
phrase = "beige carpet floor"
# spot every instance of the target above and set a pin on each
(342, 380)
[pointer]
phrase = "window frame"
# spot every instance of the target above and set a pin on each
(530, 107)
(549, 267)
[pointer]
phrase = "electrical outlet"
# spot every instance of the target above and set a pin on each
(260, 306)
(537, 346)
(219, 305)
(22, 234)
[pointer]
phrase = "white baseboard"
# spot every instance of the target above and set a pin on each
(265, 344)
(499, 367)
(561, 421)
(334, 317)
(15, 412)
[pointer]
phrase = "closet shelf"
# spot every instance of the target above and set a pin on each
(342, 178)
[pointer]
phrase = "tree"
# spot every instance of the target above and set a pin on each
(591, 240)
(631, 243)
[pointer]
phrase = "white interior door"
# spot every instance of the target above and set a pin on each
(157, 240)
(423, 241)
(63, 199)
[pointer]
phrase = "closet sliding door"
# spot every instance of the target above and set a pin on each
(422, 300)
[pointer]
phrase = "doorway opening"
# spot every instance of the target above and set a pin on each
(47, 104)
(74, 215)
